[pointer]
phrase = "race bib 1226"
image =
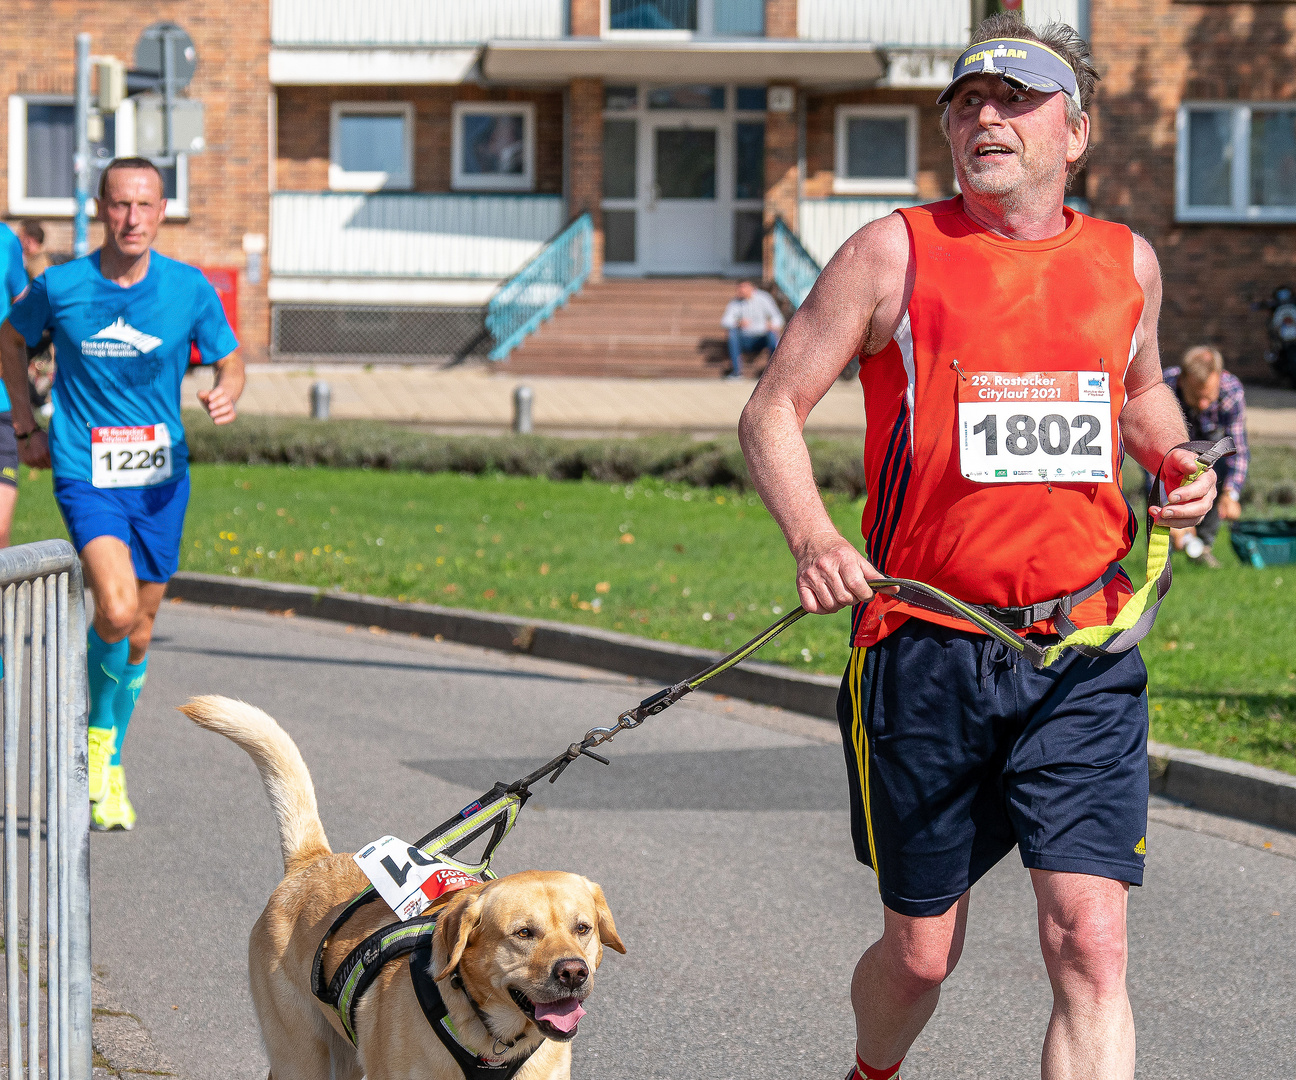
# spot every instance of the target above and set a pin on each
(1036, 427)
(130, 456)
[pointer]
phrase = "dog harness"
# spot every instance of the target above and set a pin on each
(494, 813)
(357, 972)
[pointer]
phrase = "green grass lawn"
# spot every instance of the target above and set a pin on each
(679, 564)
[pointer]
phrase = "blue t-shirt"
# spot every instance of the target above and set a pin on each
(121, 352)
(13, 279)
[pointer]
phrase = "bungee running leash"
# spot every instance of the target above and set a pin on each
(497, 809)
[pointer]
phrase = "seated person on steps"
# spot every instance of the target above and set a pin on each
(753, 321)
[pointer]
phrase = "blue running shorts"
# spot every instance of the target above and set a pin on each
(957, 750)
(149, 520)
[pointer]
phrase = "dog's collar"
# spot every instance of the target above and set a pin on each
(472, 1065)
(456, 980)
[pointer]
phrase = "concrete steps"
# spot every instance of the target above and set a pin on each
(643, 327)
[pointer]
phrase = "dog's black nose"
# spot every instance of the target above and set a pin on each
(571, 973)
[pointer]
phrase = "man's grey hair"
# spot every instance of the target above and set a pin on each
(1064, 41)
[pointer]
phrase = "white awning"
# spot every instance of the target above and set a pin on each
(808, 63)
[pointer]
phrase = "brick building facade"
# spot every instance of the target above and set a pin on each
(771, 109)
(1159, 59)
(225, 189)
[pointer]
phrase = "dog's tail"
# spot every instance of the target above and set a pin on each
(284, 773)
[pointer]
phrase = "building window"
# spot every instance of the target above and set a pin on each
(1236, 162)
(749, 159)
(619, 236)
(877, 150)
(493, 146)
(706, 18)
(42, 144)
(371, 146)
(620, 159)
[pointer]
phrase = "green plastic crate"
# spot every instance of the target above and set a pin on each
(1264, 543)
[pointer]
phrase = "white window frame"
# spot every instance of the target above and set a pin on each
(1240, 210)
(705, 28)
(20, 205)
(851, 185)
(342, 180)
(459, 180)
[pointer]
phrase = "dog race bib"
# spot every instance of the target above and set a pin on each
(1036, 427)
(407, 878)
(130, 456)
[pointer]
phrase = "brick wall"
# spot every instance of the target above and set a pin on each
(585, 175)
(586, 18)
(780, 179)
(1152, 55)
(781, 18)
(303, 124)
(935, 169)
(227, 183)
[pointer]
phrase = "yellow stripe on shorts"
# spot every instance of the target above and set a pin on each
(860, 742)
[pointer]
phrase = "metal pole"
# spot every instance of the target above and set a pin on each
(65, 876)
(35, 720)
(52, 931)
(76, 818)
(320, 398)
(12, 971)
(523, 398)
(81, 162)
(168, 93)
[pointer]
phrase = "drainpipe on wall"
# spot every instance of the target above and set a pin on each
(801, 153)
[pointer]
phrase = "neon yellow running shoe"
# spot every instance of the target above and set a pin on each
(114, 810)
(103, 744)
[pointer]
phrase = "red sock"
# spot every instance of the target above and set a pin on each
(870, 1073)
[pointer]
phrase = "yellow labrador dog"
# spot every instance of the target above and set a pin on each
(513, 959)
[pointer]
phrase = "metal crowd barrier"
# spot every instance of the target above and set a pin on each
(43, 626)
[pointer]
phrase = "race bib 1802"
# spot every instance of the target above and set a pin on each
(1037, 426)
(130, 456)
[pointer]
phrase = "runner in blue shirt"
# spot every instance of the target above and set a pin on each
(13, 279)
(123, 321)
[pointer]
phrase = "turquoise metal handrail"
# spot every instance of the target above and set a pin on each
(541, 287)
(795, 270)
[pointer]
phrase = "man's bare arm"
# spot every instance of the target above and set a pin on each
(854, 307)
(219, 401)
(33, 449)
(1152, 423)
(13, 359)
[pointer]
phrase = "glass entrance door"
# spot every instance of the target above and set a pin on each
(683, 179)
(681, 218)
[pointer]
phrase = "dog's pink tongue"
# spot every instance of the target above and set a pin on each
(564, 1014)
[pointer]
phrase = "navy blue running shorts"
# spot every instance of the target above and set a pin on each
(957, 750)
(149, 520)
(8, 450)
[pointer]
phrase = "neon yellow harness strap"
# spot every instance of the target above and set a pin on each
(1140, 611)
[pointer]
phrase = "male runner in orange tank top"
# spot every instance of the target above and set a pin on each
(1009, 350)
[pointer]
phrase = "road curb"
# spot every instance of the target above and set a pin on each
(1220, 785)
(1236, 789)
(766, 684)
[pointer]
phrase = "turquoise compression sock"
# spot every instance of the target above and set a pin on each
(124, 703)
(105, 664)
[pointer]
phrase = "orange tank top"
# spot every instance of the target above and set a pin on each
(992, 454)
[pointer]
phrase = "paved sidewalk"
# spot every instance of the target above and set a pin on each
(478, 398)
(475, 398)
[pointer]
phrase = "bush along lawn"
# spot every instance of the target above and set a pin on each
(675, 562)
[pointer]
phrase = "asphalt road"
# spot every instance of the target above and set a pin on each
(719, 834)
